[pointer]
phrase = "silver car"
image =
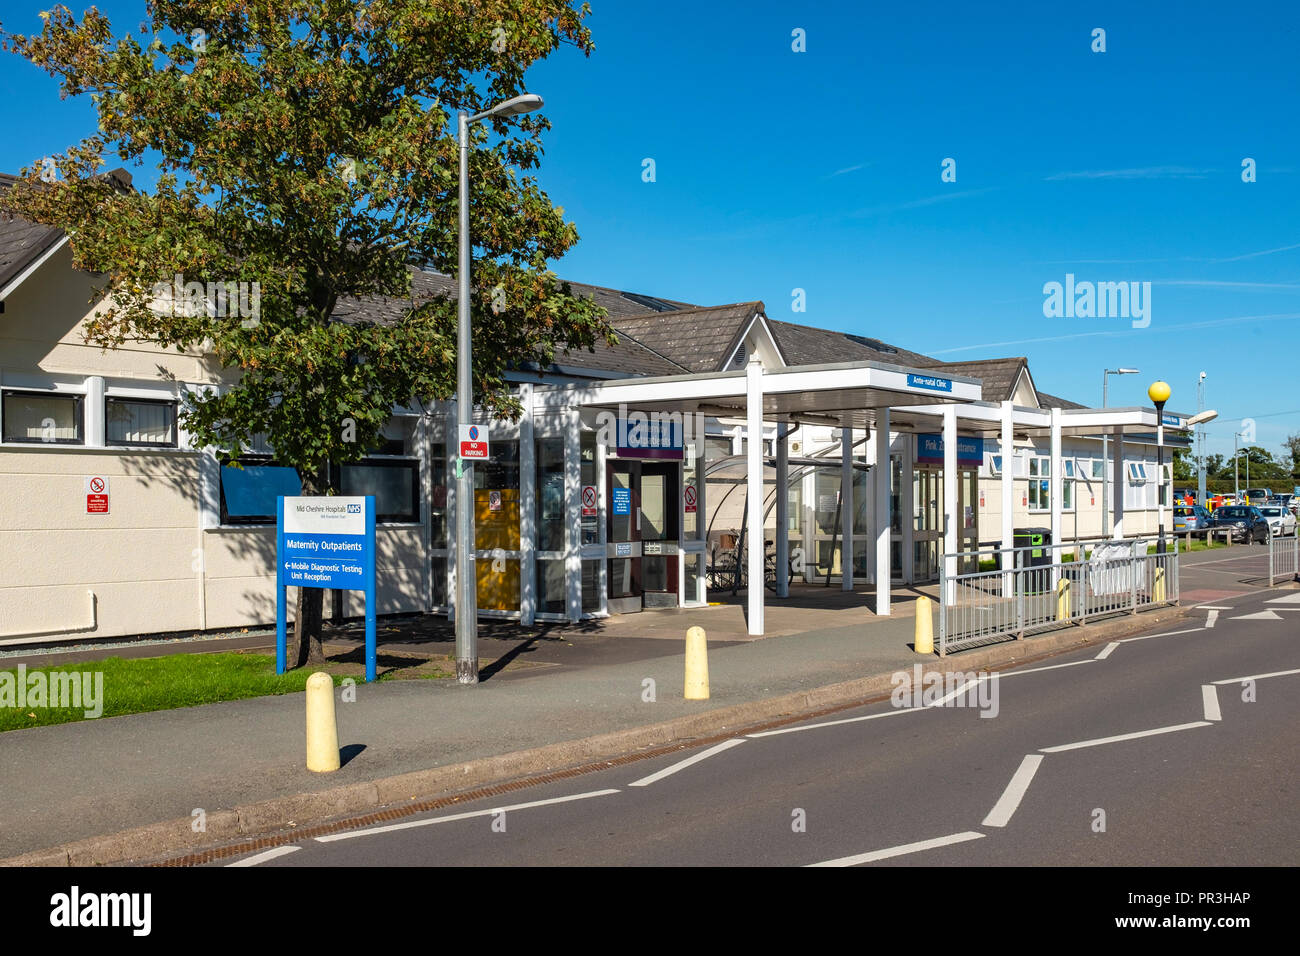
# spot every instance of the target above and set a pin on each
(1280, 520)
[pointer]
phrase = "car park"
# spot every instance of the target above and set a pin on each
(1281, 522)
(1244, 521)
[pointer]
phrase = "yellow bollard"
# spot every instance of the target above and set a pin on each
(322, 728)
(1158, 587)
(697, 665)
(1063, 599)
(923, 639)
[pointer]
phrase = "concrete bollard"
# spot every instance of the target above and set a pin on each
(1158, 586)
(697, 665)
(322, 728)
(923, 638)
(1063, 599)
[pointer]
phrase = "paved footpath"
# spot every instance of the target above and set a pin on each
(75, 781)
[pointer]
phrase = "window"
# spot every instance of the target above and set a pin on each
(42, 417)
(995, 465)
(142, 422)
(1137, 471)
(550, 501)
(248, 493)
(1098, 468)
(1040, 484)
(395, 485)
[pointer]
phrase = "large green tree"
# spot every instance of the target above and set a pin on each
(310, 146)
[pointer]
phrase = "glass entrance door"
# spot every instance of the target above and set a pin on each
(659, 533)
(644, 534)
(927, 524)
(622, 485)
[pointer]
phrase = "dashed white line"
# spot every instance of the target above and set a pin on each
(1106, 651)
(833, 723)
(1050, 667)
(1238, 680)
(1116, 739)
(1210, 702)
(264, 856)
(371, 831)
(902, 850)
(1211, 617)
(1001, 813)
(683, 764)
(1147, 637)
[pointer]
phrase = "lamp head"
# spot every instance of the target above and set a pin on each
(1159, 392)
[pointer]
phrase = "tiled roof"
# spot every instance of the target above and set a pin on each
(805, 345)
(999, 376)
(626, 357)
(700, 340)
(1052, 401)
(21, 242)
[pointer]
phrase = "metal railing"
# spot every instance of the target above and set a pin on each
(1283, 557)
(1031, 591)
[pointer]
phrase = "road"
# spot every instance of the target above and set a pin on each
(1203, 774)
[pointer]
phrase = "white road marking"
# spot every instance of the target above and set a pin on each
(1210, 702)
(264, 856)
(1211, 617)
(371, 831)
(1238, 680)
(1106, 651)
(1260, 616)
(1293, 598)
(683, 764)
(1134, 736)
(1001, 813)
(833, 723)
(1147, 637)
(952, 695)
(1215, 607)
(1050, 667)
(902, 850)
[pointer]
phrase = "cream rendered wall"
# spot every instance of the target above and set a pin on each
(156, 562)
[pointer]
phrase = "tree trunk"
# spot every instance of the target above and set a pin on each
(311, 601)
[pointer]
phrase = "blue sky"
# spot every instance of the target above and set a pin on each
(820, 170)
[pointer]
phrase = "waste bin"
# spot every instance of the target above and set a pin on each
(1039, 555)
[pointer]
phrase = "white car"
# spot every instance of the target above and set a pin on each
(1280, 520)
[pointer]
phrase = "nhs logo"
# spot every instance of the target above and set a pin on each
(354, 509)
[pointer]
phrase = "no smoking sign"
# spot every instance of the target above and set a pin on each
(96, 496)
(589, 501)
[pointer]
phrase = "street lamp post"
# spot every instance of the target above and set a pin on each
(466, 604)
(1105, 442)
(1159, 394)
(1200, 443)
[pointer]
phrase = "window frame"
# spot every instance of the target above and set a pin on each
(79, 404)
(411, 464)
(124, 399)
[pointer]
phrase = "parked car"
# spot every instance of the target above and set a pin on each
(1245, 522)
(1191, 519)
(1257, 496)
(1280, 520)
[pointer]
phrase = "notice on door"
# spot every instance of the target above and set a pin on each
(96, 496)
(621, 501)
(589, 501)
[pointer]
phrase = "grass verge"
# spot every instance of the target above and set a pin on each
(140, 685)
